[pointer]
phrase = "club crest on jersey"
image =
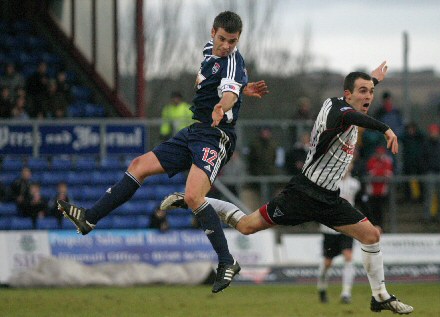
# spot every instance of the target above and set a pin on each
(215, 68)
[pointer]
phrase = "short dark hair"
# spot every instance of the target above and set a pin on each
(229, 21)
(351, 78)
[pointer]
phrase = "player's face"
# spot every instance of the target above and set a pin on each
(362, 95)
(224, 42)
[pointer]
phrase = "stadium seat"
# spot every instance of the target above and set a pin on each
(106, 178)
(59, 164)
(38, 164)
(68, 225)
(5, 223)
(91, 192)
(125, 222)
(86, 164)
(20, 223)
(12, 164)
(47, 223)
(52, 178)
(8, 177)
(180, 221)
(81, 93)
(143, 222)
(8, 209)
(94, 110)
(76, 110)
(105, 223)
(112, 163)
(79, 178)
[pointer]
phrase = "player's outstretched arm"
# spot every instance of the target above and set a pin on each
(392, 143)
(380, 72)
(256, 89)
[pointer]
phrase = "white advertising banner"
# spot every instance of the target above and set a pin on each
(255, 249)
(306, 249)
(20, 250)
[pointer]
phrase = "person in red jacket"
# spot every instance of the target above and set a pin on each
(379, 165)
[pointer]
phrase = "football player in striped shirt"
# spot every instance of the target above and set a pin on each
(313, 195)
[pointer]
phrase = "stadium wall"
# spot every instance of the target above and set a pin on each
(29, 255)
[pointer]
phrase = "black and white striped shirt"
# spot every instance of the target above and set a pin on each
(333, 141)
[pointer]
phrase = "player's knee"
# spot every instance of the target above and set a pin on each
(373, 236)
(192, 200)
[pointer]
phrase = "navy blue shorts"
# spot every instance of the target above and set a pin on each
(302, 201)
(200, 144)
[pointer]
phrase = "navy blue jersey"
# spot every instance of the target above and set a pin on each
(216, 76)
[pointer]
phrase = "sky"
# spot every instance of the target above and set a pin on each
(350, 34)
(345, 35)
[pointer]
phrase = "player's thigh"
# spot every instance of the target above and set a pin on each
(362, 231)
(145, 165)
(197, 186)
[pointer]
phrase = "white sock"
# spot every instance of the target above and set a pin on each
(347, 278)
(322, 277)
(373, 264)
(228, 212)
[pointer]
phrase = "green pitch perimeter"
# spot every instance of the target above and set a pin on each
(236, 301)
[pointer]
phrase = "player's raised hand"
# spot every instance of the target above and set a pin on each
(392, 143)
(217, 115)
(380, 72)
(256, 89)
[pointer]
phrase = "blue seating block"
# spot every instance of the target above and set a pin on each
(8, 209)
(47, 223)
(20, 223)
(5, 223)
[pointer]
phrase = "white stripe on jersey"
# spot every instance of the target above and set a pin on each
(331, 150)
(231, 66)
(221, 155)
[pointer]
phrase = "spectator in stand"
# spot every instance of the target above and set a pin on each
(379, 165)
(431, 162)
(304, 111)
(19, 111)
(261, 162)
(20, 188)
(176, 115)
(35, 205)
(37, 87)
(296, 157)
(4, 193)
(5, 103)
(63, 86)
(413, 140)
(55, 106)
(12, 79)
(390, 115)
(158, 220)
(62, 193)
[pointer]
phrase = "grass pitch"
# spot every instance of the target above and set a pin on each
(236, 301)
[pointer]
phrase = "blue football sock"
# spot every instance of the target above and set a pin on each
(115, 196)
(210, 223)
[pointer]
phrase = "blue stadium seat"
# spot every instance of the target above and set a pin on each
(125, 222)
(61, 164)
(8, 209)
(76, 110)
(105, 223)
(145, 193)
(180, 221)
(47, 223)
(67, 224)
(5, 223)
(106, 178)
(79, 178)
(8, 177)
(20, 223)
(12, 164)
(112, 163)
(38, 164)
(86, 164)
(81, 93)
(143, 222)
(92, 192)
(94, 110)
(52, 178)
(48, 191)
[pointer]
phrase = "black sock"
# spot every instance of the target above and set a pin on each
(210, 223)
(115, 196)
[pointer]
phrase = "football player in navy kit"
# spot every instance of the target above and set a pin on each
(203, 148)
(313, 195)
